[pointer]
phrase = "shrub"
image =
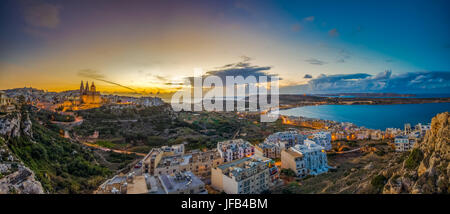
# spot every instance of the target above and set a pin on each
(378, 182)
(288, 172)
(414, 159)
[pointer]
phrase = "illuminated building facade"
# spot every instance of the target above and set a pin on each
(231, 150)
(244, 176)
(314, 156)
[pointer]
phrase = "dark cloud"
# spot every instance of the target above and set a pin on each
(246, 58)
(414, 82)
(314, 61)
(333, 32)
(243, 68)
(96, 75)
(174, 83)
(161, 78)
(307, 76)
(90, 73)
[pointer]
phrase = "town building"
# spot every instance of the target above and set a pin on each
(89, 95)
(285, 139)
(322, 138)
(137, 185)
(6, 103)
(407, 129)
(404, 143)
(182, 183)
(267, 149)
(169, 160)
(235, 149)
(314, 156)
(174, 149)
(422, 128)
(291, 159)
(376, 135)
(124, 184)
(116, 185)
(243, 176)
(390, 133)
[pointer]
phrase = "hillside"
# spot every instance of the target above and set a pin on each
(33, 148)
(426, 169)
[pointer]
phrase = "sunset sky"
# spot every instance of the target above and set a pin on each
(313, 46)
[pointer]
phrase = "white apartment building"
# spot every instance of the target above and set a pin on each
(314, 157)
(175, 149)
(422, 128)
(244, 176)
(323, 139)
(231, 150)
(285, 139)
(404, 143)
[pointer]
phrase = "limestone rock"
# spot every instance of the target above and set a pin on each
(20, 180)
(433, 172)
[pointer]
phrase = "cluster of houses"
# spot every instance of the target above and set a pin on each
(238, 167)
(405, 140)
(275, 143)
(84, 98)
(234, 167)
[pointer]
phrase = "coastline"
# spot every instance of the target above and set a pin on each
(369, 116)
(294, 101)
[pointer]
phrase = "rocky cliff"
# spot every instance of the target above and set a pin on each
(426, 168)
(15, 177)
(14, 125)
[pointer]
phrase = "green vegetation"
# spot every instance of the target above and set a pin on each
(291, 188)
(104, 143)
(414, 158)
(120, 158)
(378, 182)
(142, 128)
(45, 115)
(288, 172)
(60, 165)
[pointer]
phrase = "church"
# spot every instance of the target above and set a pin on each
(89, 98)
(89, 95)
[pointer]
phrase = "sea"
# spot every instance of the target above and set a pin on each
(372, 116)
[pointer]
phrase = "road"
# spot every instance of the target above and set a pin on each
(344, 152)
(78, 121)
(112, 150)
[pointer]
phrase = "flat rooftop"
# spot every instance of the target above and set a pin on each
(139, 186)
(172, 184)
(233, 163)
(293, 153)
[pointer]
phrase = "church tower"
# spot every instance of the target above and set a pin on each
(93, 87)
(87, 87)
(81, 87)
